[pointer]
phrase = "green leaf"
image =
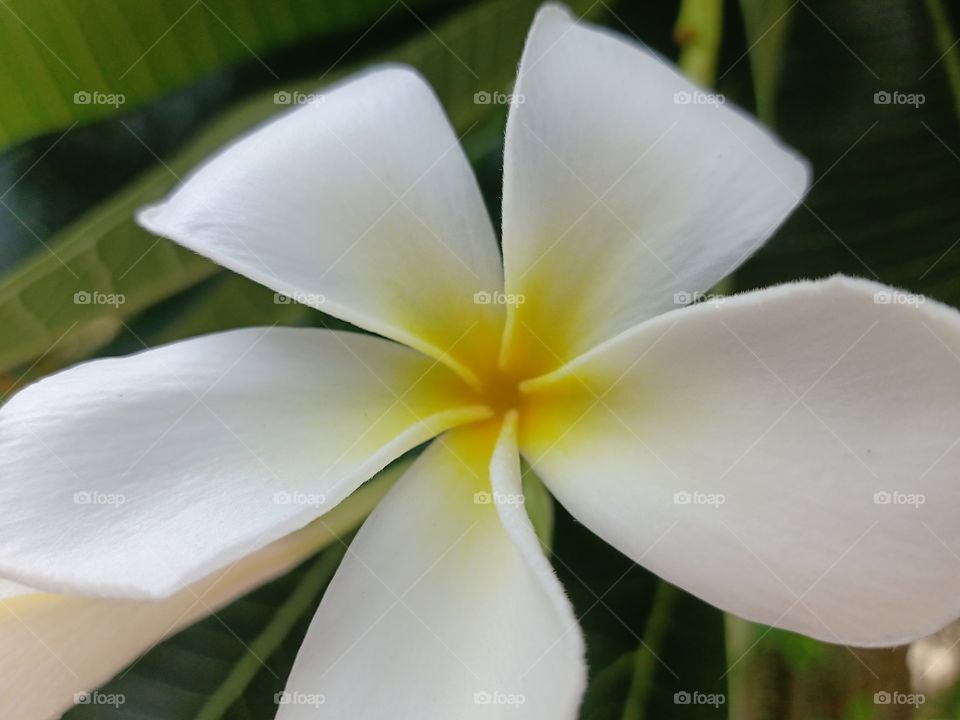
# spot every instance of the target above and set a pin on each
(676, 671)
(78, 62)
(689, 678)
(538, 502)
(105, 254)
(884, 202)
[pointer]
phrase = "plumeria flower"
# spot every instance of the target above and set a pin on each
(788, 455)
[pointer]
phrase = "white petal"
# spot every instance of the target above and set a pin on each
(435, 612)
(738, 451)
(133, 476)
(617, 196)
(55, 646)
(10, 589)
(362, 204)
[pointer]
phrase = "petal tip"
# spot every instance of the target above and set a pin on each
(398, 73)
(554, 10)
(148, 217)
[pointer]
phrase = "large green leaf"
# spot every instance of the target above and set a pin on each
(884, 201)
(76, 63)
(105, 252)
(48, 181)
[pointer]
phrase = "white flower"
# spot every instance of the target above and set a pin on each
(774, 416)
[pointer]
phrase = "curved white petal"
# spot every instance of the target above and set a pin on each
(360, 203)
(789, 455)
(56, 646)
(133, 476)
(436, 612)
(618, 195)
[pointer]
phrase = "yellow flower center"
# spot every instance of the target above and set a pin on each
(500, 391)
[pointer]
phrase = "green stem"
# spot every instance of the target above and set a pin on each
(645, 666)
(947, 44)
(539, 506)
(698, 32)
(315, 579)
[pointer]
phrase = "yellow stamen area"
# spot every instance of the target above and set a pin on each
(543, 407)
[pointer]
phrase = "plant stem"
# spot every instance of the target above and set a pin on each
(947, 44)
(698, 32)
(645, 665)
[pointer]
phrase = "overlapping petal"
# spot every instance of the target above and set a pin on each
(360, 202)
(626, 189)
(135, 476)
(56, 646)
(439, 612)
(788, 455)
